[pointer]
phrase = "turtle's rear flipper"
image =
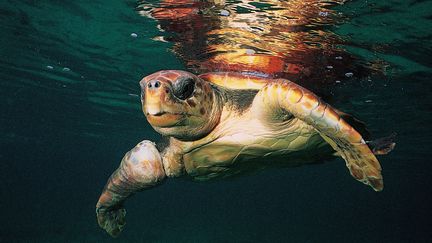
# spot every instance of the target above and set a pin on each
(382, 146)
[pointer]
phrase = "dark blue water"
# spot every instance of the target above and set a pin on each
(70, 109)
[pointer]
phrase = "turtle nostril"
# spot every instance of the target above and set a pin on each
(154, 84)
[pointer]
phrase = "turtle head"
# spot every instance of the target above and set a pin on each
(180, 104)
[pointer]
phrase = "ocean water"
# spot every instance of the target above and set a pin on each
(70, 109)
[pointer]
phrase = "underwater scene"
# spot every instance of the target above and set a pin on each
(285, 121)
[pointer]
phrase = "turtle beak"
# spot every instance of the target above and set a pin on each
(153, 107)
(164, 119)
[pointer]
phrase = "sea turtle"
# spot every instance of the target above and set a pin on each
(224, 124)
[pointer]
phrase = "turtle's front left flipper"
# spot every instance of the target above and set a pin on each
(283, 95)
(141, 168)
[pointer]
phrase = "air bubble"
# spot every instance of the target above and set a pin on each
(349, 75)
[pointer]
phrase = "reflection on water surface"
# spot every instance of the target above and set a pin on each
(289, 39)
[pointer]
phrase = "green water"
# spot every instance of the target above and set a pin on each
(70, 109)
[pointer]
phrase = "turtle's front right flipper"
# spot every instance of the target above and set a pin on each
(141, 168)
(306, 106)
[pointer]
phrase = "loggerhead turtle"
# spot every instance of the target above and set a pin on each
(224, 124)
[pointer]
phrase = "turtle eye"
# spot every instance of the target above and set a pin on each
(183, 88)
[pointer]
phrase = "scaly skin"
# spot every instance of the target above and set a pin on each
(304, 105)
(140, 168)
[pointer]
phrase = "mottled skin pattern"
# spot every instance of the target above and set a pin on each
(217, 128)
